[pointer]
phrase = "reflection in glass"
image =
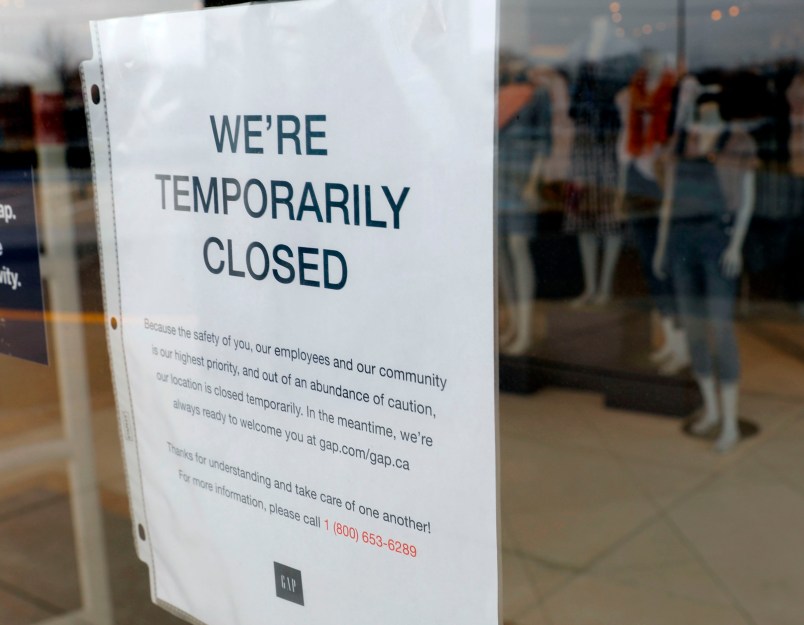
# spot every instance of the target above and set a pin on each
(701, 238)
(524, 143)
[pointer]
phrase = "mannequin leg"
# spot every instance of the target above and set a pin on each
(667, 301)
(508, 292)
(692, 306)
(702, 363)
(668, 325)
(587, 245)
(710, 417)
(612, 245)
(721, 307)
(680, 358)
(524, 282)
(730, 430)
(673, 355)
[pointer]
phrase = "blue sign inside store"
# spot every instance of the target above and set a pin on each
(22, 318)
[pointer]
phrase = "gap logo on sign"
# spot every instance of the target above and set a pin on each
(288, 583)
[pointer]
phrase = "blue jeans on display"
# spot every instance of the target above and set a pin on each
(705, 296)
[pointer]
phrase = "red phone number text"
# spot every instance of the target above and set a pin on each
(369, 538)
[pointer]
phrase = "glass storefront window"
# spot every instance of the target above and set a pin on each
(650, 221)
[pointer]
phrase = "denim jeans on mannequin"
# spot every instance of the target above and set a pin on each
(705, 296)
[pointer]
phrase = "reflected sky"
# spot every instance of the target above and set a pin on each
(56, 31)
(724, 33)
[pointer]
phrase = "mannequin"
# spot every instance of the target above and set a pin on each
(700, 239)
(525, 140)
(648, 103)
(591, 208)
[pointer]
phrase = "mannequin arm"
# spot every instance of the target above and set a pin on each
(659, 255)
(731, 263)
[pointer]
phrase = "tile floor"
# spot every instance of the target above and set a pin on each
(609, 517)
(615, 518)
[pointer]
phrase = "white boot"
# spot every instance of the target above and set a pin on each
(730, 428)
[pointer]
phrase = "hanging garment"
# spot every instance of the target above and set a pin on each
(649, 112)
(592, 193)
(512, 98)
(526, 135)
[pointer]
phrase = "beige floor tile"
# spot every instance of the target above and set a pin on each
(15, 610)
(546, 580)
(37, 563)
(656, 440)
(552, 417)
(37, 556)
(592, 601)
(518, 592)
(534, 616)
(660, 441)
(659, 559)
(507, 541)
(782, 454)
(568, 506)
(749, 471)
(661, 483)
(766, 369)
(108, 453)
(770, 413)
(15, 501)
(748, 529)
(655, 546)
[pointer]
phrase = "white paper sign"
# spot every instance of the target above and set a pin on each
(295, 213)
